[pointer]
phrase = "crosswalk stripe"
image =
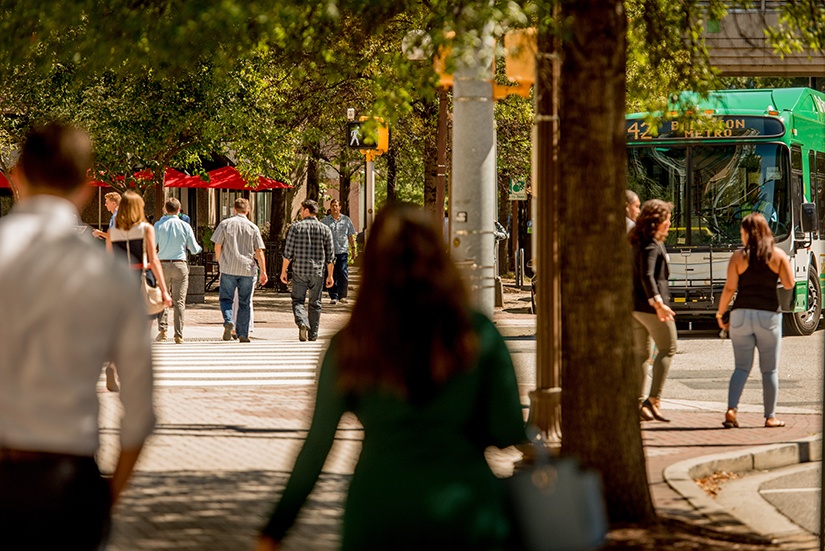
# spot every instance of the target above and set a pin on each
(219, 363)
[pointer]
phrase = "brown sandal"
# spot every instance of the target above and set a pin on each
(776, 423)
(730, 419)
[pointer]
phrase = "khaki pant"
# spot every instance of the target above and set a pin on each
(664, 336)
(176, 275)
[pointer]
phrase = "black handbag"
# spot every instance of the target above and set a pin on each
(557, 505)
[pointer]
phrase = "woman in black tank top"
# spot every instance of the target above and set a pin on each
(755, 318)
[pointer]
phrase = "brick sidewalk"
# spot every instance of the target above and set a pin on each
(220, 456)
(695, 434)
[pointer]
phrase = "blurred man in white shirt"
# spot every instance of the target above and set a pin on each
(68, 308)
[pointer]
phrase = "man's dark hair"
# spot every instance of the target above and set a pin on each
(311, 206)
(172, 205)
(56, 156)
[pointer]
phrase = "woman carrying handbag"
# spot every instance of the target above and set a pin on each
(133, 238)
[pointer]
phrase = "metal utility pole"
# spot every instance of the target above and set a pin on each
(369, 186)
(545, 400)
(472, 193)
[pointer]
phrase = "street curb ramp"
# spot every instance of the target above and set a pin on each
(705, 512)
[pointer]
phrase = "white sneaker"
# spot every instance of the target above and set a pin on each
(333, 301)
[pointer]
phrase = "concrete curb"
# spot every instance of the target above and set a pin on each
(680, 476)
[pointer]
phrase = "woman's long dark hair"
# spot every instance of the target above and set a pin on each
(653, 213)
(760, 238)
(410, 329)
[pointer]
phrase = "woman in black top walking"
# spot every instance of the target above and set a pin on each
(651, 313)
(755, 318)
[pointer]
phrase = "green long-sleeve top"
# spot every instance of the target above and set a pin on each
(421, 478)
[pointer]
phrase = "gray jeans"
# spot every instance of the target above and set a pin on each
(301, 287)
(176, 275)
(664, 336)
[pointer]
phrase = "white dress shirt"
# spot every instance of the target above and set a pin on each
(67, 308)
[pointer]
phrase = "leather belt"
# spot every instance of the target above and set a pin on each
(8, 455)
(173, 261)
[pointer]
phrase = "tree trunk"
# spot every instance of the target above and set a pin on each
(600, 421)
(392, 170)
(430, 116)
(312, 187)
(441, 157)
(344, 180)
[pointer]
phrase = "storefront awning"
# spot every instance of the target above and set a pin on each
(221, 178)
(226, 177)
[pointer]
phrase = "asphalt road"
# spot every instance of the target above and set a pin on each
(700, 372)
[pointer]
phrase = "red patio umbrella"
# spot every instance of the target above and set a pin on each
(226, 177)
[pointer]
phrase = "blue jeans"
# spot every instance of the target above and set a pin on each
(244, 285)
(340, 277)
(762, 330)
(314, 287)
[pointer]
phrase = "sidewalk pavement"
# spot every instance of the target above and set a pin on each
(220, 456)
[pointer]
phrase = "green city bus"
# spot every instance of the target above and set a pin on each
(763, 151)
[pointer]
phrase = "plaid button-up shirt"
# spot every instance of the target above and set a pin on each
(309, 247)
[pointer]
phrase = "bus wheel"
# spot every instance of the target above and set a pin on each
(805, 323)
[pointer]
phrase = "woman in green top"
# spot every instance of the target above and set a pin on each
(433, 385)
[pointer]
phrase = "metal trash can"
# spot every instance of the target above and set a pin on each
(197, 284)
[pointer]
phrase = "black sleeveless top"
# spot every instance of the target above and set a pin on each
(757, 288)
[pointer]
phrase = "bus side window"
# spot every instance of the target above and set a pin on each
(796, 189)
(820, 185)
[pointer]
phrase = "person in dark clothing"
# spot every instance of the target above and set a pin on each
(433, 386)
(755, 318)
(651, 314)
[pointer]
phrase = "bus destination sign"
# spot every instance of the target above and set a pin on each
(731, 127)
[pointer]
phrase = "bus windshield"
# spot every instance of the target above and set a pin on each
(712, 187)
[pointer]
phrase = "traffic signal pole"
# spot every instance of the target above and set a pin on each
(369, 189)
(472, 197)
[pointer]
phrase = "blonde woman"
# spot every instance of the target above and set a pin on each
(126, 239)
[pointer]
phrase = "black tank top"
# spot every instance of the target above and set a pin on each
(757, 288)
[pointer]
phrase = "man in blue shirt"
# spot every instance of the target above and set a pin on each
(174, 237)
(343, 234)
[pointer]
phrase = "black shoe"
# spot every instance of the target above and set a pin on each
(227, 331)
(303, 332)
(243, 339)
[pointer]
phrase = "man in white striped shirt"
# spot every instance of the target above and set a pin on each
(238, 244)
(68, 308)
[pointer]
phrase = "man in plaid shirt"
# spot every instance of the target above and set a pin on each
(308, 248)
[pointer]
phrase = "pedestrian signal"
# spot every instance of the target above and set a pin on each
(360, 137)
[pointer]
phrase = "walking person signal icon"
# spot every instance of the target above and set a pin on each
(359, 138)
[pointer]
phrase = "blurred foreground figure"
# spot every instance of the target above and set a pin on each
(433, 385)
(68, 308)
